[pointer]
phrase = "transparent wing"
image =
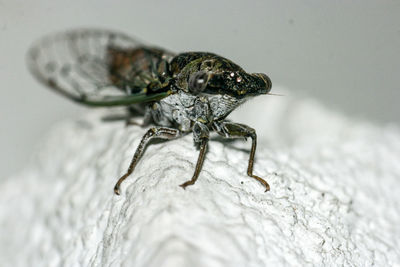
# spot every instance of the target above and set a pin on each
(76, 64)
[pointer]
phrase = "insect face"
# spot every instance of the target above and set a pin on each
(239, 84)
(213, 74)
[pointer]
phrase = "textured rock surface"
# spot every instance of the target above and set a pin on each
(334, 199)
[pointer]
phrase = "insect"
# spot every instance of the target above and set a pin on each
(184, 93)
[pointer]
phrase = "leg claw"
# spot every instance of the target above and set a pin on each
(185, 184)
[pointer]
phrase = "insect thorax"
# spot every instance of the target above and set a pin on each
(182, 109)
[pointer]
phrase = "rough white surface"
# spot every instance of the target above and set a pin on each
(334, 199)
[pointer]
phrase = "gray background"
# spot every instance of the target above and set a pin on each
(345, 54)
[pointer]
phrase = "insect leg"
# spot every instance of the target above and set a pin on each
(237, 130)
(155, 132)
(199, 164)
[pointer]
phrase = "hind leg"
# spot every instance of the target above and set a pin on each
(155, 132)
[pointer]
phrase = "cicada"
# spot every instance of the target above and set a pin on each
(191, 92)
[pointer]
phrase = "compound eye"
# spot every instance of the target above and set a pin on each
(198, 82)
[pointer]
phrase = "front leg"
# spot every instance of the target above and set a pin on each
(199, 164)
(155, 132)
(200, 136)
(237, 130)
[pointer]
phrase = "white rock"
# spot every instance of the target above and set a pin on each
(334, 199)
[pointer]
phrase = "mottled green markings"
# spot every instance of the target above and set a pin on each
(223, 76)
